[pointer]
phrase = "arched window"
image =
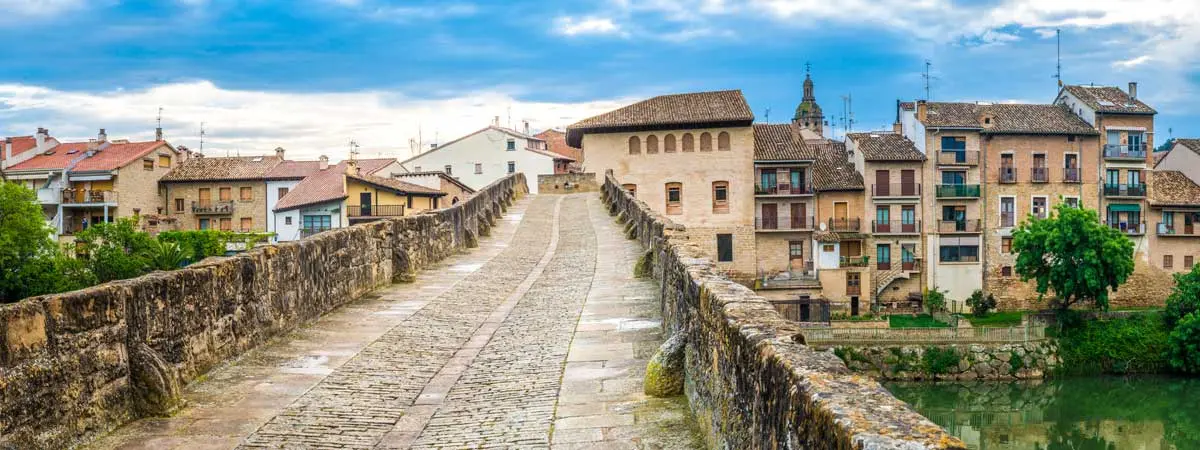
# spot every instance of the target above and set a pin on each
(705, 142)
(669, 144)
(651, 144)
(689, 144)
(720, 190)
(635, 145)
(723, 141)
(674, 198)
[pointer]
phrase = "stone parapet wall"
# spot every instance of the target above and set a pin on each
(80, 363)
(568, 183)
(1031, 360)
(749, 379)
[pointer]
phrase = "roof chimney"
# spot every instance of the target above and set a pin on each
(279, 152)
(351, 167)
(1133, 90)
(158, 134)
(922, 110)
(495, 121)
(40, 138)
(323, 162)
(526, 122)
(102, 136)
(7, 150)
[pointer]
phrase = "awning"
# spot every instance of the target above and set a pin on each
(1125, 207)
(951, 241)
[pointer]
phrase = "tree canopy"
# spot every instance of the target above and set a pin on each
(30, 261)
(1072, 256)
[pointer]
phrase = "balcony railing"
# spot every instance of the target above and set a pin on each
(374, 210)
(1039, 175)
(958, 158)
(895, 227)
(958, 226)
(1008, 220)
(784, 223)
(896, 190)
(782, 189)
(1133, 229)
(911, 266)
(1125, 151)
(1072, 175)
(1125, 190)
(203, 207)
(88, 196)
(845, 225)
(1008, 174)
(855, 261)
(958, 191)
(1177, 230)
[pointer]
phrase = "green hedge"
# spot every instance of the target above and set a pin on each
(1136, 344)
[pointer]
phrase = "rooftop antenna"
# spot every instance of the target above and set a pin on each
(353, 150)
(158, 134)
(847, 113)
(1058, 57)
(201, 138)
(768, 115)
(927, 78)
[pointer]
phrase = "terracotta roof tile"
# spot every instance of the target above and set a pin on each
(20, 144)
(392, 183)
(109, 157)
(58, 157)
(1172, 188)
(779, 142)
(1007, 118)
(223, 168)
(323, 186)
(291, 170)
(556, 141)
(886, 146)
(370, 166)
(833, 170)
(1191, 144)
(698, 108)
(1109, 99)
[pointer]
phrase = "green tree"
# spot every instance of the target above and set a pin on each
(30, 261)
(1184, 298)
(1073, 256)
(980, 303)
(935, 300)
(117, 250)
(1183, 347)
(1165, 145)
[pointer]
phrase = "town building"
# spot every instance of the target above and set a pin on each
(455, 190)
(784, 212)
(1174, 201)
(484, 156)
(84, 183)
(691, 158)
(1184, 156)
(220, 193)
(556, 142)
(840, 242)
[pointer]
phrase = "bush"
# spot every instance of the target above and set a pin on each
(938, 361)
(935, 300)
(981, 304)
(1183, 347)
(1184, 298)
(197, 244)
(1136, 344)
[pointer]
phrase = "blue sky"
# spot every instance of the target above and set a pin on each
(309, 75)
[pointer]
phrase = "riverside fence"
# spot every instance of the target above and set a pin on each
(1018, 334)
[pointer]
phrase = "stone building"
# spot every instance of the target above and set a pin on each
(1183, 156)
(842, 259)
(691, 158)
(784, 211)
(1174, 200)
(220, 193)
(809, 118)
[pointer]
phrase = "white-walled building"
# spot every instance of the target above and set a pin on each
(288, 222)
(484, 156)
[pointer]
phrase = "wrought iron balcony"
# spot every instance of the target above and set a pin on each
(1072, 175)
(958, 191)
(1187, 230)
(845, 225)
(1132, 229)
(1008, 174)
(1125, 190)
(1039, 175)
(855, 261)
(1008, 220)
(896, 190)
(1125, 151)
(84, 196)
(782, 189)
(374, 210)
(896, 227)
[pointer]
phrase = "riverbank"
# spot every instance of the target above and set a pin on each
(1030, 360)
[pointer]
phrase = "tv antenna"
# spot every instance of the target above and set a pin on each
(201, 138)
(353, 150)
(768, 115)
(1058, 57)
(158, 134)
(847, 114)
(928, 80)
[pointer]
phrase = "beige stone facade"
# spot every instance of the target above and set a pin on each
(244, 210)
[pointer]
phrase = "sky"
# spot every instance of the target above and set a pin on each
(312, 75)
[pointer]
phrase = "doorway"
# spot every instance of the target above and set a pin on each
(364, 203)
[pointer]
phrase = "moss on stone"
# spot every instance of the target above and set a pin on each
(644, 264)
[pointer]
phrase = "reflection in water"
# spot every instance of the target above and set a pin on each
(1095, 413)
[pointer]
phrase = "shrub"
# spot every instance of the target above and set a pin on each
(1184, 298)
(1015, 363)
(981, 304)
(1183, 347)
(938, 361)
(1136, 344)
(935, 300)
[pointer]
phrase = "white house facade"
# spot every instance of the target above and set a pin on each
(484, 156)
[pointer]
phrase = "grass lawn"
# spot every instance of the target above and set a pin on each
(922, 321)
(996, 319)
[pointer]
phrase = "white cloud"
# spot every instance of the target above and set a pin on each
(39, 8)
(254, 122)
(570, 26)
(430, 12)
(1134, 62)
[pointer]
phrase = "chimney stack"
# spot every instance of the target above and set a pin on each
(351, 167)
(40, 138)
(526, 122)
(922, 110)
(7, 150)
(495, 121)
(102, 136)
(323, 162)
(158, 134)
(279, 152)
(1133, 90)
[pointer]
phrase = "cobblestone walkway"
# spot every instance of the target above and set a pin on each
(538, 337)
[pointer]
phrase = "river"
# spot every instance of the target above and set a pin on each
(1092, 413)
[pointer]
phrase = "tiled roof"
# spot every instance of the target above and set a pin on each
(20, 144)
(1191, 144)
(292, 170)
(698, 108)
(1172, 188)
(223, 168)
(779, 142)
(833, 170)
(439, 174)
(397, 185)
(1007, 118)
(370, 166)
(330, 185)
(110, 157)
(58, 157)
(886, 146)
(1109, 99)
(1159, 156)
(556, 141)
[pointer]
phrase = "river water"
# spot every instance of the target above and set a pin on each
(1093, 413)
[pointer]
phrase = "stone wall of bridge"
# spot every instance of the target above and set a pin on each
(750, 380)
(80, 363)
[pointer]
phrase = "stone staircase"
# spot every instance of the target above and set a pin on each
(884, 278)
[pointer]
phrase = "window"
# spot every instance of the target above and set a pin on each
(478, 168)
(204, 224)
(512, 167)
(1187, 262)
(409, 205)
(669, 144)
(724, 247)
(179, 205)
(796, 249)
(689, 143)
(908, 215)
(1006, 244)
(287, 220)
(954, 143)
(148, 164)
(1039, 207)
(164, 161)
(631, 188)
(282, 192)
(226, 194)
(1134, 177)
(1167, 261)
(883, 256)
(883, 216)
(635, 145)
(827, 248)
(720, 197)
(226, 224)
(651, 144)
(205, 195)
(1008, 212)
(247, 224)
(958, 249)
(317, 223)
(449, 169)
(1071, 201)
(511, 145)
(705, 142)
(674, 198)
(723, 141)
(245, 194)
(954, 177)
(1006, 271)
(1112, 177)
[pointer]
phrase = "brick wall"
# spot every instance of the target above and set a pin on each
(80, 363)
(255, 208)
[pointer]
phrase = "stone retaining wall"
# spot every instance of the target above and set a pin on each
(568, 183)
(80, 363)
(1031, 360)
(749, 381)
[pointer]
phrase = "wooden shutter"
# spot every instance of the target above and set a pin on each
(882, 186)
(908, 182)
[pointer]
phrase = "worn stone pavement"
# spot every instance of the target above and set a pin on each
(536, 339)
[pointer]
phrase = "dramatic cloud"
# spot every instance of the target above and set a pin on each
(306, 124)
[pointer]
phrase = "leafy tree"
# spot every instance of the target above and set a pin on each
(981, 304)
(30, 261)
(935, 300)
(117, 250)
(1183, 347)
(1165, 145)
(1184, 298)
(1073, 256)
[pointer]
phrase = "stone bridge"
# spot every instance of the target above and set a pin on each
(505, 321)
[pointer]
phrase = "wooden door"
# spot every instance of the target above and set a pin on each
(770, 216)
(799, 216)
(364, 203)
(841, 211)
